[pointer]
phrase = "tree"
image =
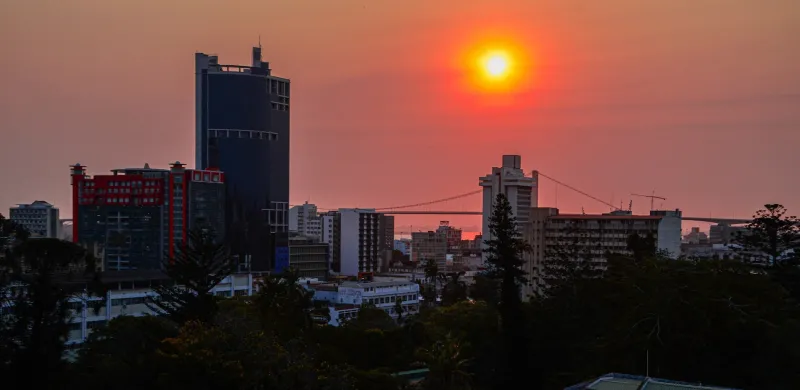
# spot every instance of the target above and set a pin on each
(399, 309)
(504, 260)
(284, 305)
(772, 238)
(570, 259)
(124, 354)
(485, 289)
(429, 292)
(196, 268)
(447, 365)
(454, 290)
(44, 275)
(476, 325)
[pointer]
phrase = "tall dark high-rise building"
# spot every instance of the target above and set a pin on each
(242, 128)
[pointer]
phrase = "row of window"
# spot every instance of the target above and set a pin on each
(391, 299)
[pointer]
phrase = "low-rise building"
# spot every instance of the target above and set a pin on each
(346, 298)
(128, 296)
(695, 236)
(308, 257)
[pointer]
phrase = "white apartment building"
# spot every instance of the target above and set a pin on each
(304, 220)
(39, 218)
(360, 238)
(510, 180)
(346, 298)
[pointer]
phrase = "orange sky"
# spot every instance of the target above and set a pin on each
(697, 100)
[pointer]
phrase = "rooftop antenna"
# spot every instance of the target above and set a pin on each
(259, 41)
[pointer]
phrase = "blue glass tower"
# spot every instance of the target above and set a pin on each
(242, 128)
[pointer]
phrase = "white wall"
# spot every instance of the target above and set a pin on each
(348, 242)
(669, 235)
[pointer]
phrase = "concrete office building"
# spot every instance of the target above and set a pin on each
(598, 234)
(39, 218)
(242, 128)
(308, 257)
(509, 179)
(304, 220)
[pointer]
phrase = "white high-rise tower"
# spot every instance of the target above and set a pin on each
(522, 191)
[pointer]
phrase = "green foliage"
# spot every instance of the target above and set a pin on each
(42, 275)
(123, 355)
(284, 305)
(454, 290)
(485, 289)
(446, 363)
(197, 266)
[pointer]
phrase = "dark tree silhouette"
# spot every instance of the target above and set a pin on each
(197, 266)
(504, 260)
(454, 290)
(772, 238)
(285, 306)
(43, 276)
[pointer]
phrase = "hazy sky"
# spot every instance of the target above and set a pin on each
(698, 100)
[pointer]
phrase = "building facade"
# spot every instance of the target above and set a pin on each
(128, 298)
(39, 218)
(308, 257)
(725, 234)
(443, 246)
(359, 240)
(135, 216)
(595, 235)
(510, 180)
(242, 128)
(304, 220)
(346, 298)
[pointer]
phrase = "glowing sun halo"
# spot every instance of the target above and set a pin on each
(496, 65)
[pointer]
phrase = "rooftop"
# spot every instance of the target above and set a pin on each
(607, 217)
(616, 381)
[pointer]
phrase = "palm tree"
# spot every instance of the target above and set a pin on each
(446, 364)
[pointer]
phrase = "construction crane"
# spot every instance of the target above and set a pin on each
(652, 199)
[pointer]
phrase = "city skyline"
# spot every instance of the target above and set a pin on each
(703, 114)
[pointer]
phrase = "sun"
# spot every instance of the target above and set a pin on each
(496, 65)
